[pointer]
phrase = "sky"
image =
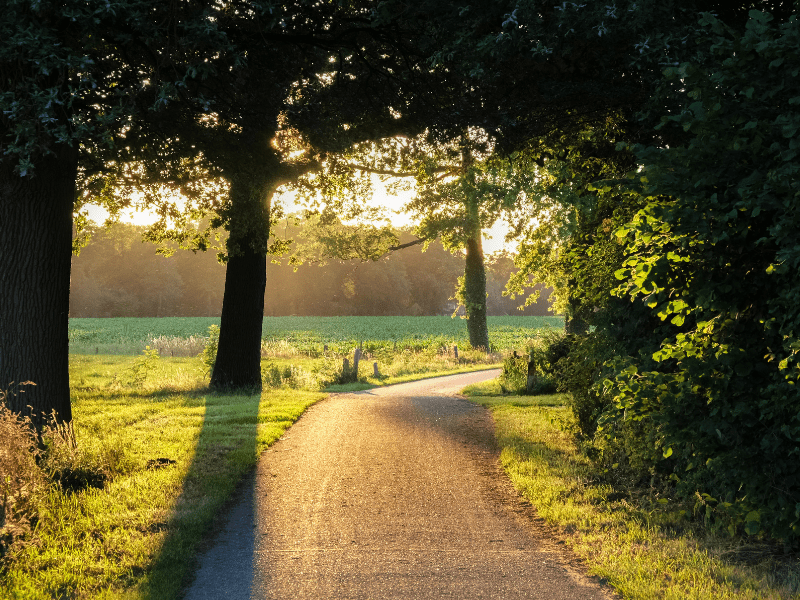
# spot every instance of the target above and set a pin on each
(494, 242)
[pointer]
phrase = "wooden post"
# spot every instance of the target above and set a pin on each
(345, 370)
(356, 358)
(455, 351)
(325, 348)
(531, 381)
(375, 370)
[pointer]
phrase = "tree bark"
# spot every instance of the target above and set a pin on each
(35, 260)
(475, 293)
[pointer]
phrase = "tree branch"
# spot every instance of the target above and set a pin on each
(409, 244)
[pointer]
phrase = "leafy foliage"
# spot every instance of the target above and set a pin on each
(544, 351)
(209, 354)
(714, 256)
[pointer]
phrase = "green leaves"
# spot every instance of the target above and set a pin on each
(710, 256)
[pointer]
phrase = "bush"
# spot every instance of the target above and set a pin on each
(714, 256)
(543, 352)
(209, 354)
(577, 371)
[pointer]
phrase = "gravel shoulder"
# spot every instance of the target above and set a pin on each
(395, 492)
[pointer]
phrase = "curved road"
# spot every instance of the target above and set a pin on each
(394, 492)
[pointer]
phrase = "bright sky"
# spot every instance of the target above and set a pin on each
(494, 238)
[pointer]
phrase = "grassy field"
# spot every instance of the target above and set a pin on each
(185, 336)
(640, 544)
(158, 457)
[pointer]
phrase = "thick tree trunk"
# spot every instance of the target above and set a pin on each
(238, 363)
(475, 294)
(35, 260)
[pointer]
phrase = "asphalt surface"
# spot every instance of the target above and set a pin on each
(395, 492)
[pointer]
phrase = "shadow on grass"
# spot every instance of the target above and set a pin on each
(226, 450)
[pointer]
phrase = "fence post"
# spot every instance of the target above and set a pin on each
(455, 351)
(530, 382)
(375, 370)
(345, 370)
(356, 358)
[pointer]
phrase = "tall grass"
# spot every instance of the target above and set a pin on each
(22, 482)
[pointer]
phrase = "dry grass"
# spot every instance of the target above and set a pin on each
(170, 345)
(22, 482)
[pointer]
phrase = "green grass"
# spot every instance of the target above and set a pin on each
(643, 547)
(137, 536)
(297, 335)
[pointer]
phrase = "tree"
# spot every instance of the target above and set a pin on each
(337, 57)
(69, 93)
(303, 59)
(462, 190)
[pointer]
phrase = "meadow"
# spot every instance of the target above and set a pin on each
(158, 457)
(186, 336)
(123, 513)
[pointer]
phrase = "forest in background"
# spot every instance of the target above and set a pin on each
(119, 275)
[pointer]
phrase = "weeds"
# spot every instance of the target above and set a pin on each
(171, 345)
(209, 354)
(22, 482)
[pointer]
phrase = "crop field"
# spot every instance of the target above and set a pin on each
(184, 336)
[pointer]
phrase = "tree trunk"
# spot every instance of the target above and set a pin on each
(573, 323)
(35, 261)
(475, 294)
(238, 363)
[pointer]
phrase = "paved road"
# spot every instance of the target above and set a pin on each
(391, 493)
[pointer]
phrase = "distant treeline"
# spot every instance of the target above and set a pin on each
(118, 275)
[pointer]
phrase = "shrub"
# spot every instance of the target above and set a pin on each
(714, 256)
(543, 352)
(514, 379)
(577, 371)
(209, 353)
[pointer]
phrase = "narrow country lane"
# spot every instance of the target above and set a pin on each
(395, 492)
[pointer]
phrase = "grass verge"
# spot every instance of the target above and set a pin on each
(642, 545)
(179, 453)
